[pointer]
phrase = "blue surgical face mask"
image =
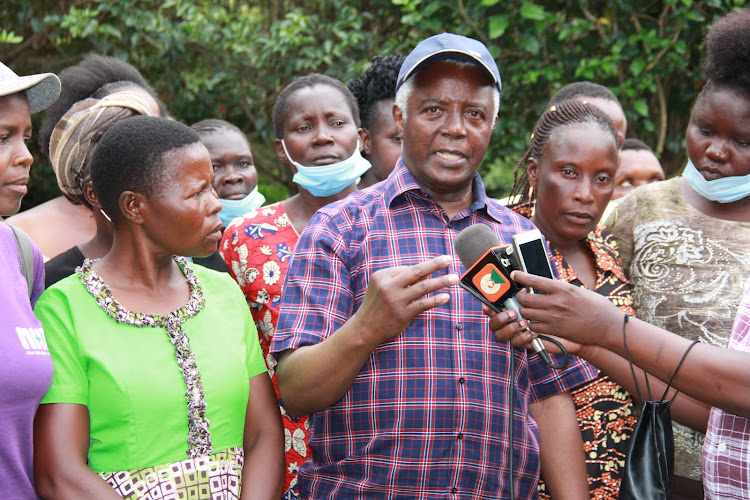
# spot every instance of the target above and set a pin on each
(231, 209)
(327, 180)
(724, 190)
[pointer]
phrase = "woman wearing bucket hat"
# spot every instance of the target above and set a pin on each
(25, 365)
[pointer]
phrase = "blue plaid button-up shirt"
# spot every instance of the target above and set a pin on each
(427, 416)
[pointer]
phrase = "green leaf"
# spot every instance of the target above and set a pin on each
(498, 25)
(641, 107)
(532, 11)
(636, 67)
(530, 44)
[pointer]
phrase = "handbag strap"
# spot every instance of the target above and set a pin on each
(645, 373)
(630, 361)
(684, 355)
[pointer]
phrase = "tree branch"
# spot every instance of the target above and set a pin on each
(472, 24)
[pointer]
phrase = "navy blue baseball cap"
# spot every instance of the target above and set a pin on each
(448, 46)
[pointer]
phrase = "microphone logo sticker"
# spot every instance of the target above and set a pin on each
(491, 283)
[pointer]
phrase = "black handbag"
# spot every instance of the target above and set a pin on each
(649, 465)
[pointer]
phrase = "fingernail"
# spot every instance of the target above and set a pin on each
(522, 324)
(453, 278)
(512, 314)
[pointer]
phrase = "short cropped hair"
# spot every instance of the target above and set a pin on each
(130, 157)
(585, 88)
(280, 110)
(635, 145)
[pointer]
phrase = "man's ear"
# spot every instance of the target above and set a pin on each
(532, 171)
(398, 117)
(494, 123)
(132, 206)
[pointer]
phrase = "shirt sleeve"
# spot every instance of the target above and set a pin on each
(546, 381)
(69, 383)
(255, 363)
(309, 314)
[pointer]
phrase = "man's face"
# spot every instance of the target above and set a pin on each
(448, 127)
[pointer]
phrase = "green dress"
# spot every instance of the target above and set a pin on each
(167, 395)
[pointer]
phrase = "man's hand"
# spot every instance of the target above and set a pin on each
(397, 295)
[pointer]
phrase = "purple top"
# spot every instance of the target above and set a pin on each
(25, 368)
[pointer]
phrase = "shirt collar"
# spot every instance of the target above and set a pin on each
(402, 181)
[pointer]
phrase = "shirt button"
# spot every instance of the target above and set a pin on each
(459, 326)
(460, 435)
(722, 446)
(454, 490)
(461, 380)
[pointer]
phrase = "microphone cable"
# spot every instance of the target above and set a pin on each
(511, 393)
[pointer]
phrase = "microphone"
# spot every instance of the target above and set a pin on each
(488, 264)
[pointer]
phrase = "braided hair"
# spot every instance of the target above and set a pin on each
(374, 85)
(559, 115)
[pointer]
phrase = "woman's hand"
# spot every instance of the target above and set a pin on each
(566, 311)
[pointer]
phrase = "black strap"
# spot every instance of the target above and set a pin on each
(645, 373)
(26, 256)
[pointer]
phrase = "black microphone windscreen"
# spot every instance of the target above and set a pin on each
(473, 242)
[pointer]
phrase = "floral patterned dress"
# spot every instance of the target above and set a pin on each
(604, 409)
(257, 249)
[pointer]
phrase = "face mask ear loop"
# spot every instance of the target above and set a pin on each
(288, 156)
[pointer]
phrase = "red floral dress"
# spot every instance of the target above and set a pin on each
(257, 249)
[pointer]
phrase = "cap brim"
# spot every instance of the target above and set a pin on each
(41, 90)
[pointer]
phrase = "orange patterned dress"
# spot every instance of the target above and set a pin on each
(604, 409)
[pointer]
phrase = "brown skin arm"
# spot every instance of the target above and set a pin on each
(561, 447)
(263, 472)
(312, 378)
(61, 445)
(684, 409)
(712, 375)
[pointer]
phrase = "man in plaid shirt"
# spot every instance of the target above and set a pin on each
(405, 384)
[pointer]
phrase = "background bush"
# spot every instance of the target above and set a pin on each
(229, 59)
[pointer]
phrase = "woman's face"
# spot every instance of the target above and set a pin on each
(235, 175)
(718, 135)
(573, 180)
(182, 217)
(319, 127)
(638, 167)
(15, 158)
(381, 143)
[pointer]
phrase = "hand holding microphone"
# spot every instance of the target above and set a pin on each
(489, 264)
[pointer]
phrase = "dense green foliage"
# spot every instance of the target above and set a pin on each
(228, 59)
